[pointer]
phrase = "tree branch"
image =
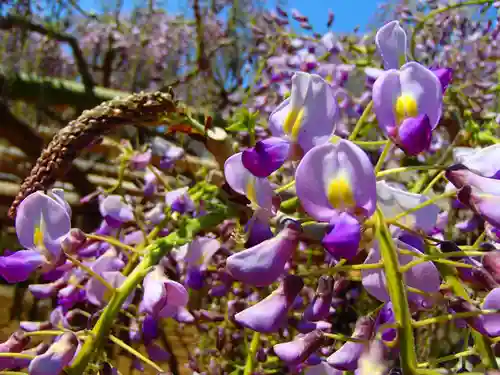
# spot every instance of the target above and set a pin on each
(11, 21)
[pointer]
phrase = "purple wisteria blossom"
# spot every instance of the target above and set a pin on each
(42, 223)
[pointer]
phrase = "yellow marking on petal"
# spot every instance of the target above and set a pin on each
(251, 193)
(406, 106)
(38, 237)
(293, 121)
(329, 78)
(340, 194)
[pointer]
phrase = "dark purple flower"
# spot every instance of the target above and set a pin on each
(298, 350)
(264, 263)
(270, 314)
(162, 296)
(319, 308)
(342, 241)
(445, 75)
(266, 157)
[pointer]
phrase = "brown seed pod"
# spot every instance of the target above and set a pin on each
(146, 109)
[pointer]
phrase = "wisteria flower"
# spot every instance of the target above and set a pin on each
(346, 358)
(308, 116)
(258, 190)
(42, 223)
(196, 256)
(264, 263)
(391, 43)
(162, 296)
(479, 193)
(179, 201)
(408, 105)
(335, 178)
(270, 314)
(115, 211)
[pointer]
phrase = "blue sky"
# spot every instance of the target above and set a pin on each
(348, 13)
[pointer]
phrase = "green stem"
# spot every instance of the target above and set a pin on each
(448, 317)
(397, 293)
(155, 253)
(420, 206)
(447, 358)
(382, 157)
(252, 352)
(134, 352)
(410, 168)
(361, 121)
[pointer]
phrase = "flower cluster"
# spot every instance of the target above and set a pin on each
(317, 252)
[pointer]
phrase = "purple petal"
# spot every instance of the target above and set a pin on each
(20, 265)
(259, 229)
(308, 116)
(415, 134)
(391, 44)
(157, 353)
(319, 307)
(159, 291)
(423, 276)
(40, 217)
(386, 90)
(394, 201)
(262, 264)
(482, 161)
(56, 357)
(266, 157)
(99, 295)
(342, 241)
(325, 164)
(298, 350)
(346, 358)
(445, 75)
(257, 190)
(269, 315)
(140, 160)
(423, 85)
(115, 211)
(491, 322)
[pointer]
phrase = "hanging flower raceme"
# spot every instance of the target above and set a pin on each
(42, 223)
(408, 100)
(307, 118)
(336, 183)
